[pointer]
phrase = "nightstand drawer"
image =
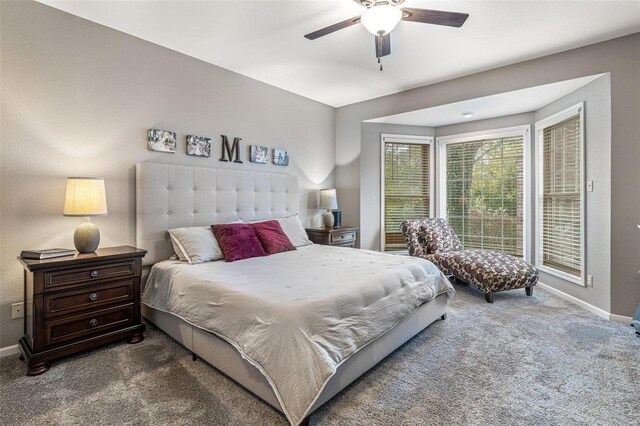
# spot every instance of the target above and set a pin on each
(82, 326)
(66, 302)
(66, 277)
(342, 238)
(346, 236)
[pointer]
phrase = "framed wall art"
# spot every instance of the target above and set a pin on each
(259, 154)
(280, 157)
(198, 146)
(162, 140)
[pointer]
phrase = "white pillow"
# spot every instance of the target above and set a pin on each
(295, 231)
(292, 226)
(196, 244)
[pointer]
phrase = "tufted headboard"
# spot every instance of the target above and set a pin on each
(170, 196)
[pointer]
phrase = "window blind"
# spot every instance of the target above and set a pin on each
(484, 193)
(406, 188)
(561, 197)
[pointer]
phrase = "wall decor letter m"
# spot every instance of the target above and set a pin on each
(231, 152)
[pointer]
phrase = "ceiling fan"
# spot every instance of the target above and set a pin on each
(382, 16)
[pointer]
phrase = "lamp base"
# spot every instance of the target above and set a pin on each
(337, 216)
(86, 238)
(328, 219)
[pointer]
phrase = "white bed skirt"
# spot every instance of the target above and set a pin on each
(227, 359)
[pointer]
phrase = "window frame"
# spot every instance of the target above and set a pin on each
(540, 126)
(525, 132)
(406, 139)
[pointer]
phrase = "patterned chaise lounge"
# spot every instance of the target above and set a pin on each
(488, 271)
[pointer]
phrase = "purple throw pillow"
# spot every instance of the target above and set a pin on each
(238, 241)
(272, 237)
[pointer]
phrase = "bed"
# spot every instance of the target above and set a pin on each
(294, 328)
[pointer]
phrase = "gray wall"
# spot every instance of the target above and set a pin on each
(77, 100)
(597, 129)
(526, 118)
(620, 57)
(370, 177)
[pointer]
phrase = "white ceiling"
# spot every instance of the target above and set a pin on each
(264, 39)
(515, 102)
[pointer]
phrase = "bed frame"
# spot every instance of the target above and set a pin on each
(171, 196)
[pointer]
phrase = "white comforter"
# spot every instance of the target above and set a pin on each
(297, 315)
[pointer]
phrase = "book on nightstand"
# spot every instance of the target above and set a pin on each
(46, 254)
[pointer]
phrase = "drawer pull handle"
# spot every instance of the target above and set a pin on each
(93, 322)
(93, 297)
(94, 273)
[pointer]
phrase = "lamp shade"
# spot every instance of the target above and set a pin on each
(328, 199)
(85, 196)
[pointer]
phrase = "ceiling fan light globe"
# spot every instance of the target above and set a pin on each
(381, 19)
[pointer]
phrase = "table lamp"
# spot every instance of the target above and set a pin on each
(329, 201)
(85, 196)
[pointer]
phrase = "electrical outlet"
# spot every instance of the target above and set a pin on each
(17, 310)
(589, 280)
(590, 186)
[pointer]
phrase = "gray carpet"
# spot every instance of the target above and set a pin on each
(522, 360)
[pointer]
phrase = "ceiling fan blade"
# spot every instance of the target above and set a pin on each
(383, 45)
(435, 17)
(333, 28)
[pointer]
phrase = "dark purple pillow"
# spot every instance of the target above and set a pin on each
(238, 241)
(272, 237)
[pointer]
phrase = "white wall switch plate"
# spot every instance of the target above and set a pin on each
(590, 186)
(589, 280)
(17, 310)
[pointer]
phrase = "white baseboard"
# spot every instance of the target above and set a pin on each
(9, 350)
(589, 307)
(621, 318)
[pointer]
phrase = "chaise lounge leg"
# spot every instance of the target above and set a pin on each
(305, 421)
(194, 357)
(529, 290)
(443, 317)
(488, 297)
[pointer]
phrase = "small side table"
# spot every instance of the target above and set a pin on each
(74, 303)
(344, 236)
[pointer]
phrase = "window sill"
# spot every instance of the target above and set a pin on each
(562, 275)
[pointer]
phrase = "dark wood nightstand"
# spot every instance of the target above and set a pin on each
(345, 236)
(74, 303)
